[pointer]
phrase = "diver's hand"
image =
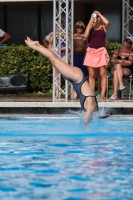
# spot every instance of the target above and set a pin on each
(32, 44)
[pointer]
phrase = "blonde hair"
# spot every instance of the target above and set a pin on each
(80, 23)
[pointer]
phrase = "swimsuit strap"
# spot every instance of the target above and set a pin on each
(119, 52)
(130, 52)
(95, 101)
(89, 96)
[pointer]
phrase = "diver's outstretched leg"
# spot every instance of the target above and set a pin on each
(68, 71)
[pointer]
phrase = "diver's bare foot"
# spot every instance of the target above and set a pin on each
(101, 99)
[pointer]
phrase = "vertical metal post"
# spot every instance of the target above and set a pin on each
(67, 45)
(123, 19)
(127, 17)
(54, 43)
(62, 10)
(72, 33)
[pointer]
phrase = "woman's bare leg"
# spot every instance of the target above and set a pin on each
(119, 72)
(69, 72)
(98, 80)
(103, 75)
(92, 75)
(115, 83)
(99, 83)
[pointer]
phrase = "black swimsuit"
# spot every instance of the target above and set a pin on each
(77, 87)
(126, 58)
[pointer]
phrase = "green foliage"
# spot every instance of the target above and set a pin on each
(15, 60)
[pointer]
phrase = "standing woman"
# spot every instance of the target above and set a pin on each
(96, 55)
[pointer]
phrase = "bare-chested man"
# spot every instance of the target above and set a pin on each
(80, 46)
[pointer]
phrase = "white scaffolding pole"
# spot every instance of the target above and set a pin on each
(127, 18)
(62, 10)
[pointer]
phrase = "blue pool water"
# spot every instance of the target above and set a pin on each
(62, 159)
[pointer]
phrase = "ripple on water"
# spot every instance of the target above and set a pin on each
(64, 159)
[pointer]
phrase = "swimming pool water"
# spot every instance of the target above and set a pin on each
(62, 159)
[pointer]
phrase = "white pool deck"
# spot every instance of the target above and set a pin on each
(48, 103)
(46, 106)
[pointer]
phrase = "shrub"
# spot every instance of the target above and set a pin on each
(15, 60)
